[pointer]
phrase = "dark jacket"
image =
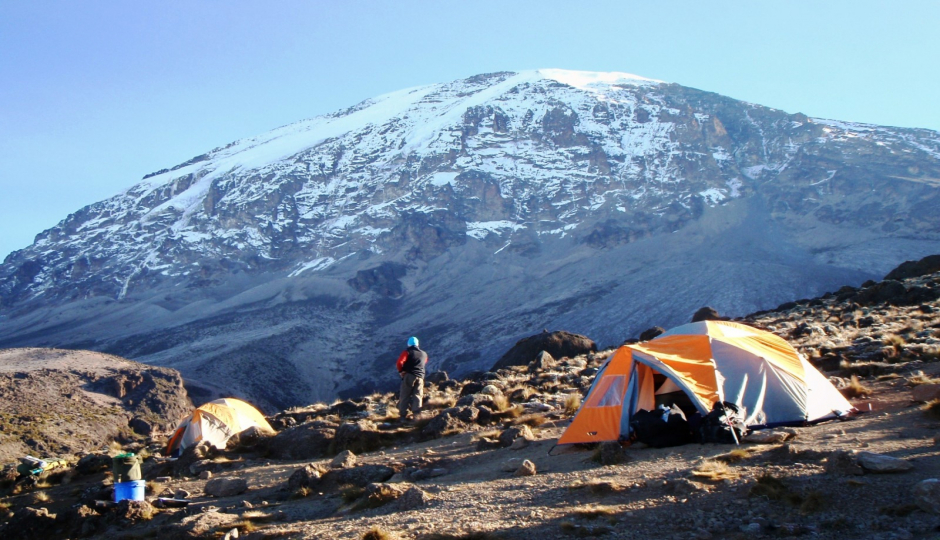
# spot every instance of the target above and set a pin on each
(412, 360)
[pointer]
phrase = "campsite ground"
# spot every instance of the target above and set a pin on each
(655, 492)
(464, 484)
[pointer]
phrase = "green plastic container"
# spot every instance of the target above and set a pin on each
(126, 468)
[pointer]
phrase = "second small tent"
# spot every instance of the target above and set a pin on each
(215, 422)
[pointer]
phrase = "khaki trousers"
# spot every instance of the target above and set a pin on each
(412, 392)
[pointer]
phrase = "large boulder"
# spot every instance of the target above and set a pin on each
(449, 421)
(360, 476)
(927, 495)
(306, 441)
(305, 476)
(225, 487)
(359, 437)
(908, 269)
(707, 314)
(558, 344)
(878, 463)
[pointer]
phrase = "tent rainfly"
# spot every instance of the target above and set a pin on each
(215, 422)
(707, 361)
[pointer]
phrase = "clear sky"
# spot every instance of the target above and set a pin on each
(96, 94)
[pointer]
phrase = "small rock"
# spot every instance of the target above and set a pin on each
(181, 494)
(205, 475)
(767, 437)
(523, 431)
(511, 464)
(682, 486)
(842, 462)
(537, 406)
(414, 497)
(344, 460)
(163, 479)
(225, 487)
(231, 535)
(491, 390)
(878, 463)
(303, 477)
(526, 469)
(611, 453)
(519, 444)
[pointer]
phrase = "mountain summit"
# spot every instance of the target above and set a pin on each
(291, 266)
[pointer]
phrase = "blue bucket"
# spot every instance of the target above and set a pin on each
(130, 491)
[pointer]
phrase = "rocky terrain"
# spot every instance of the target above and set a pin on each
(58, 402)
(481, 463)
(471, 213)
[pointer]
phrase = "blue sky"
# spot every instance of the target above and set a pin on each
(94, 95)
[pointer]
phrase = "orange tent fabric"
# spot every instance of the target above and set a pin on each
(709, 361)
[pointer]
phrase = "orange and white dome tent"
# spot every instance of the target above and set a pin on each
(215, 422)
(708, 361)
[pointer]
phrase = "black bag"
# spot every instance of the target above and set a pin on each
(717, 425)
(661, 427)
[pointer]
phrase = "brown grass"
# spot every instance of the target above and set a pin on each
(572, 404)
(774, 489)
(41, 497)
(531, 420)
(855, 389)
(932, 409)
(257, 516)
(594, 512)
(714, 471)
(442, 402)
(501, 402)
(301, 493)
(467, 536)
(597, 486)
(888, 377)
(918, 378)
(377, 533)
(734, 456)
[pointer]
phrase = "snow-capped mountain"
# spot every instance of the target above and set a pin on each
(291, 266)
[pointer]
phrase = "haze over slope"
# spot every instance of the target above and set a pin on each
(291, 266)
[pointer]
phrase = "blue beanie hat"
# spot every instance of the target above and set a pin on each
(412, 341)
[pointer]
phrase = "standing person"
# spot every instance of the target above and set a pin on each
(410, 365)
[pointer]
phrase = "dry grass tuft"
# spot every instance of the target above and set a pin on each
(442, 402)
(531, 420)
(41, 497)
(351, 493)
(888, 377)
(301, 493)
(813, 502)
(257, 516)
(734, 456)
(572, 404)
(918, 378)
(714, 471)
(244, 527)
(467, 536)
(154, 488)
(377, 533)
(932, 409)
(597, 486)
(774, 489)
(501, 402)
(594, 512)
(855, 389)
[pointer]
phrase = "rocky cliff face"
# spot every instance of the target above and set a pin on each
(291, 266)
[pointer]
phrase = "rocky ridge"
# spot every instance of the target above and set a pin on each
(58, 402)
